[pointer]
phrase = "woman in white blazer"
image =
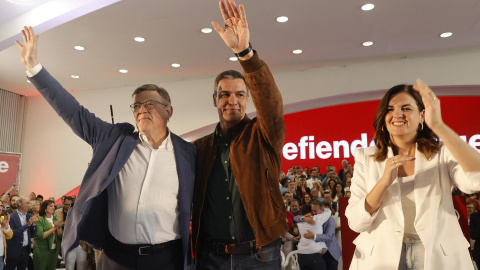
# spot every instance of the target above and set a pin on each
(401, 201)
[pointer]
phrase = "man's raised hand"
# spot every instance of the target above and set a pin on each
(28, 50)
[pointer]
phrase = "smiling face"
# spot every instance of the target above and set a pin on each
(403, 117)
(50, 209)
(231, 100)
(154, 119)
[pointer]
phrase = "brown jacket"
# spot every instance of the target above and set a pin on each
(255, 157)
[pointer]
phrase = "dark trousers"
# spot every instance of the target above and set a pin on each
(312, 261)
(168, 259)
(19, 263)
(210, 260)
(331, 263)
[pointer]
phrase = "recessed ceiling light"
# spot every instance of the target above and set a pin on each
(139, 39)
(297, 51)
(367, 43)
(446, 34)
(282, 19)
(175, 65)
(233, 58)
(28, 81)
(367, 7)
(207, 30)
(123, 71)
(79, 48)
(75, 76)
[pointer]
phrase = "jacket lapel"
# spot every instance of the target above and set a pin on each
(126, 148)
(424, 177)
(185, 190)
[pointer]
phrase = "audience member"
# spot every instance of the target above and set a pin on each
(39, 198)
(62, 213)
(23, 225)
(284, 185)
(34, 207)
(334, 252)
(48, 237)
(330, 176)
(314, 180)
(327, 197)
(302, 188)
(338, 192)
(310, 251)
(344, 168)
(306, 199)
(314, 195)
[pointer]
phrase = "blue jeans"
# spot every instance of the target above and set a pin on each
(413, 253)
(210, 260)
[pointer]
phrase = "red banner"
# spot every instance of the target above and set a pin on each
(9, 170)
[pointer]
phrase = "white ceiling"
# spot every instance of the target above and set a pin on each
(329, 33)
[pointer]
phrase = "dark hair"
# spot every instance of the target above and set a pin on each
(327, 205)
(317, 202)
(39, 196)
(335, 190)
(43, 207)
(68, 198)
(426, 140)
(284, 181)
(303, 198)
(152, 87)
(306, 208)
(228, 74)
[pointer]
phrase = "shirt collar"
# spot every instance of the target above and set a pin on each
(166, 144)
(231, 132)
(22, 215)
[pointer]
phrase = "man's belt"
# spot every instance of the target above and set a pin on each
(249, 247)
(143, 249)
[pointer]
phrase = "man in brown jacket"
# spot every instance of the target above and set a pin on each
(238, 211)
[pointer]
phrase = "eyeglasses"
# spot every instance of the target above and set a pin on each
(149, 104)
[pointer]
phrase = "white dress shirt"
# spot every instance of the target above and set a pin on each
(142, 200)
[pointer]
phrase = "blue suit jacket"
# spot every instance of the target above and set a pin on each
(328, 237)
(15, 244)
(112, 146)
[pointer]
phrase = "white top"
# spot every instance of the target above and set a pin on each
(408, 202)
(142, 201)
(311, 182)
(309, 246)
(50, 220)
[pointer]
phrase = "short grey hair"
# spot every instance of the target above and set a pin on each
(21, 199)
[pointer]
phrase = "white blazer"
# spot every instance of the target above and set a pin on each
(378, 247)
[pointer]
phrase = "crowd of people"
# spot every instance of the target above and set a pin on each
(32, 230)
(138, 210)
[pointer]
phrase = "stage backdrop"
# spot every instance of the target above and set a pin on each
(328, 135)
(9, 170)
